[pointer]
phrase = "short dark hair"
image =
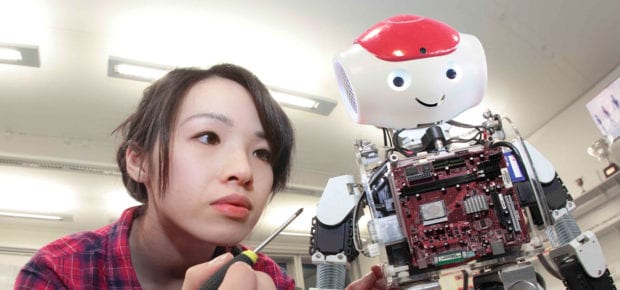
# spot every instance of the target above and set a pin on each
(154, 120)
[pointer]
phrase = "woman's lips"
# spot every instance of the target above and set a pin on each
(234, 206)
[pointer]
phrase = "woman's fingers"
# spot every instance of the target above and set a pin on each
(242, 276)
(371, 281)
(198, 274)
(239, 276)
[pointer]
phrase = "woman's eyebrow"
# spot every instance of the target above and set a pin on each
(214, 116)
(222, 118)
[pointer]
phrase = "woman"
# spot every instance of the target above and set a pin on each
(203, 152)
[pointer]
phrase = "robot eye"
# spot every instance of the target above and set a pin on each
(399, 80)
(451, 73)
(454, 72)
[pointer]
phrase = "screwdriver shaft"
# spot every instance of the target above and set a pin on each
(249, 257)
(278, 231)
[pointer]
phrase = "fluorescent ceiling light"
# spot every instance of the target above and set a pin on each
(302, 101)
(31, 216)
(294, 234)
(294, 100)
(139, 71)
(148, 72)
(135, 70)
(19, 55)
(10, 54)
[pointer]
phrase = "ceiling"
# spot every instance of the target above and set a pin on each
(541, 56)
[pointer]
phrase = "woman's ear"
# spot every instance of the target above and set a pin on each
(136, 165)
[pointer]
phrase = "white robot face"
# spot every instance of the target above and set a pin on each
(411, 71)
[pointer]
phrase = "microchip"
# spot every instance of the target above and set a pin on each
(433, 212)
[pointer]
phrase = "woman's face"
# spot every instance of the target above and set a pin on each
(220, 176)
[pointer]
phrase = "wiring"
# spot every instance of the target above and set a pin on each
(356, 234)
(378, 172)
(387, 140)
(479, 137)
(463, 125)
(395, 145)
(385, 137)
(515, 152)
(465, 279)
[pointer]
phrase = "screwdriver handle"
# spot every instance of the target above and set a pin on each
(248, 256)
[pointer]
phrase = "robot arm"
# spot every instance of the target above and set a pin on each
(578, 256)
(332, 245)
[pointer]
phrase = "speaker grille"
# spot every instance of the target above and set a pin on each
(345, 86)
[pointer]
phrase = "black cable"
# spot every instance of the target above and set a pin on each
(384, 138)
(515, 152)
(388, 152)
(378, 172)
(478, 137)
(395, 142)
(548, 267)
(463, 125)
(397, 147)
(465, 280)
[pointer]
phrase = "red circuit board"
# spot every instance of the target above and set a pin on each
(457, 207)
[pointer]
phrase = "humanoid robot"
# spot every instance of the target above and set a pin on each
(473, 203)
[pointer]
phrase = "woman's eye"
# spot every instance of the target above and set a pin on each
(263, 155)
(208, 138)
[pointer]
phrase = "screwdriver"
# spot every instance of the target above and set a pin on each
(248, 256)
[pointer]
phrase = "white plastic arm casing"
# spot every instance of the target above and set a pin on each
(339, 198)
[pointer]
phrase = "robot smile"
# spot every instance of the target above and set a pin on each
(433, 104)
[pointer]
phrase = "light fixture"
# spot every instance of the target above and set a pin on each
(302, 101)
(294, 100)
(294, 234)
(136, 70)
(149, 72)
(32, 216)
(18, 54)
(10, 54)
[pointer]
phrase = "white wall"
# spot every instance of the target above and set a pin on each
(9, 267)
(565, 139)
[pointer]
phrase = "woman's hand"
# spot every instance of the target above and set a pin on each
(371, 281)
(239, 276)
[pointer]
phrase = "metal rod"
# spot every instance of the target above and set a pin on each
(278, 230)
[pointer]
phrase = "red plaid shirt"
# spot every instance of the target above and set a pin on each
(100, 259)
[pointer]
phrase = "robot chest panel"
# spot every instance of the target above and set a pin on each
(457, 208)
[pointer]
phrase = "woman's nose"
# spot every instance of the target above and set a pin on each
(237, 168)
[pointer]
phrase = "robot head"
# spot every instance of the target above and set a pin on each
(409, 71)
